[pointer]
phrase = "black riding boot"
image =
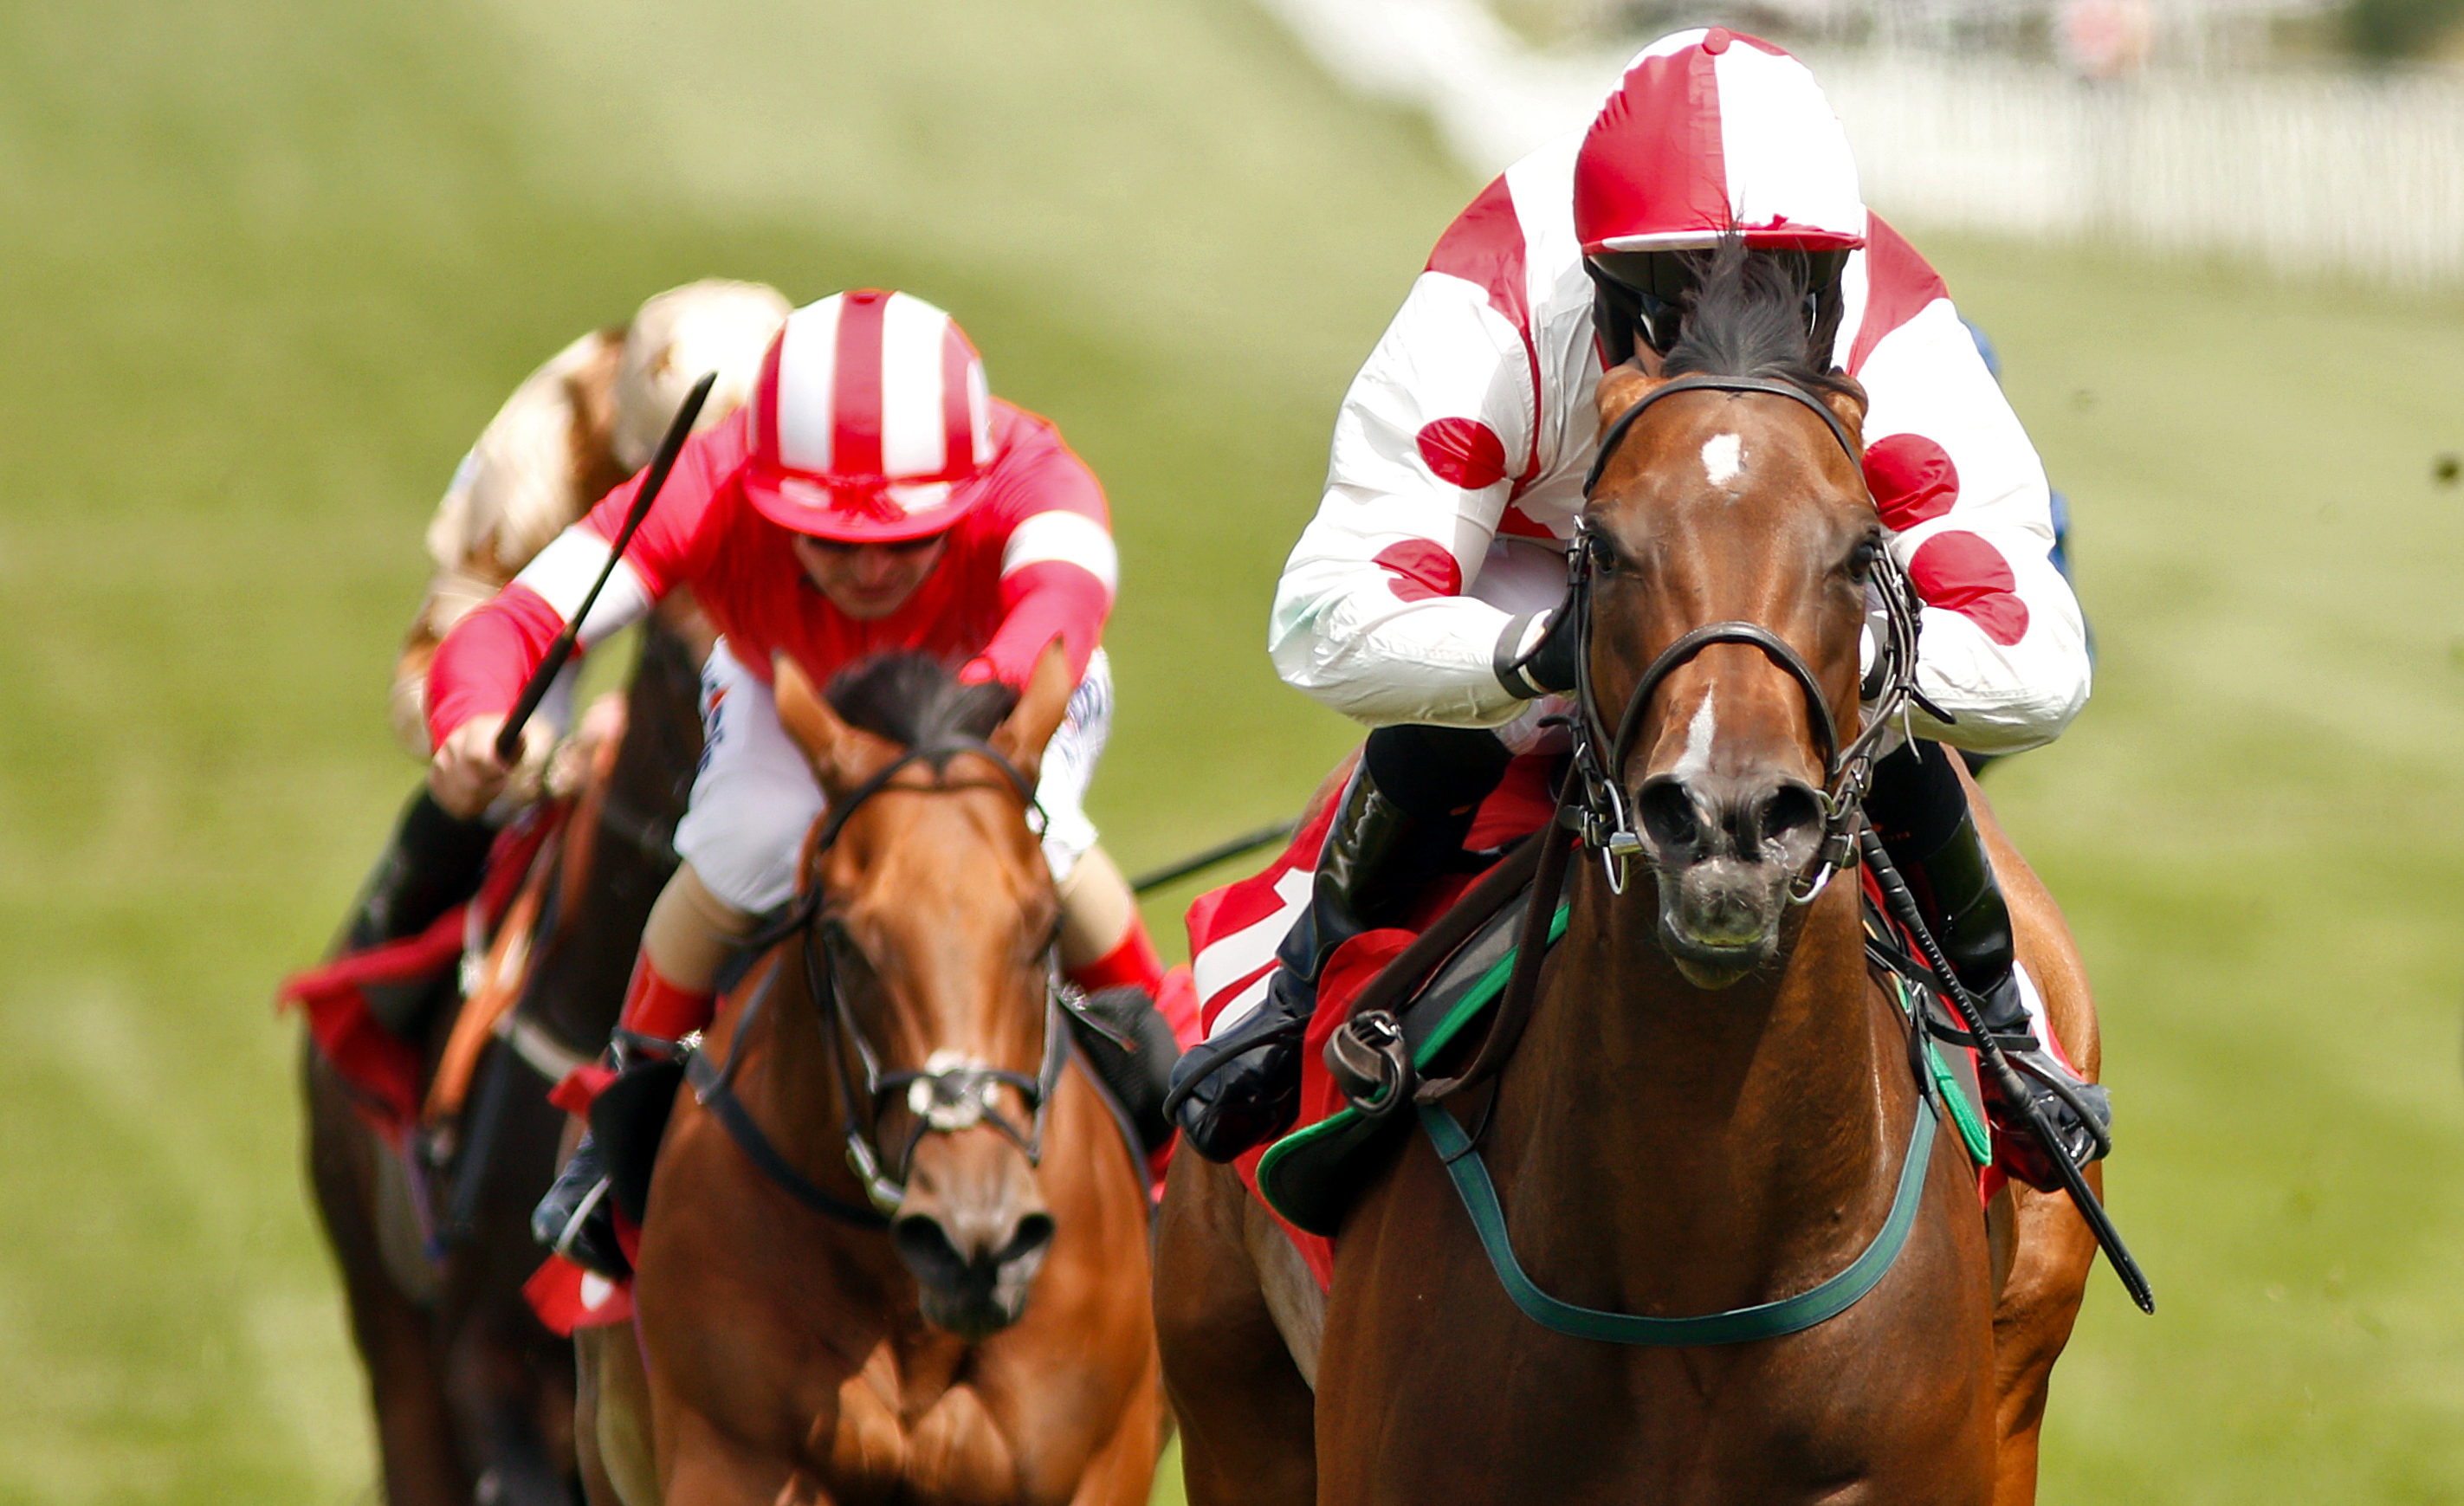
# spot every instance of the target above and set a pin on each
(1412, 794)
(577, 1218)
(434, 863)
(1921, 810)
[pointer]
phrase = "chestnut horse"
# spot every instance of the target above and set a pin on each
(473, 1398)
(896, 1247)
(1710, 1107)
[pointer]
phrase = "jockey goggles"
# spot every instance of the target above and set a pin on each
(1644, 293)
(897, 546)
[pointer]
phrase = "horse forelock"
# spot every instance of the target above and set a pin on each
(914, 700)
(1746, 316)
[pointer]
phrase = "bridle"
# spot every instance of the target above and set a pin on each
(1594, 800)
(950, 1093)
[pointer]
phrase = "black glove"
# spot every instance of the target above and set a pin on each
(1548, 668)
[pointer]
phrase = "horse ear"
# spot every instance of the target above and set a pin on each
(1624, 386)
(1031, 723)
(828, 743)
(1848, 401)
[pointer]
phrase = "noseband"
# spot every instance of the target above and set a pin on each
(951, 1093)
(1597, 797)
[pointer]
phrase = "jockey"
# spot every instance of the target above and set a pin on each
(1421, 598)
(577, 426)
(872, 497)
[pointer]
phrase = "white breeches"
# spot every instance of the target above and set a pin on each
(756, 798)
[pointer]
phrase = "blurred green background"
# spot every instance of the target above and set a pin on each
(270, 266)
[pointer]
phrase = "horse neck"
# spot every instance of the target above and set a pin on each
(578, 983)
(1664, 1116)
(662, 746)
(787, 1080)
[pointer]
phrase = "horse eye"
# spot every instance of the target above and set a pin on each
(1862, 559)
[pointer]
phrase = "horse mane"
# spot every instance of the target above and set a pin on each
(913, 699)
(1746, 316)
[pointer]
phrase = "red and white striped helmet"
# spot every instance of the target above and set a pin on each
(870, 416)
(1709, 131)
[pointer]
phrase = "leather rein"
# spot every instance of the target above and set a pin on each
(948, 1094)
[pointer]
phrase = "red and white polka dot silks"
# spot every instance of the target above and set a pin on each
(870, 418)
(1457, 466)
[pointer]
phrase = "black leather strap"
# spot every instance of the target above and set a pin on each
(711, 1087)
(1706, 383)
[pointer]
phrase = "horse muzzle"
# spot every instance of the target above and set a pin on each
(973, 1247)
(1726, 853)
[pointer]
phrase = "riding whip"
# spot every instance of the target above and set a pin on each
(509, 741)
(1251, 841)
(2006, 1077)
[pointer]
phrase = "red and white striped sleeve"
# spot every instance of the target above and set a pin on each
(1370, 617)
(2003, 645)
(483, 662)
(1059, 567)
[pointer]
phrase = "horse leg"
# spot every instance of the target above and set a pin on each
(701, 1466)
(1122, 1471)
(2040, 1301)
(612, 1418)
(415, 1444)
(501, 1399)
(1248, 1417)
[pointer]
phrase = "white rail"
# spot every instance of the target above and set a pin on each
(2306, 174)
(2299, 173)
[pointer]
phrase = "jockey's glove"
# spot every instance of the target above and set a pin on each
(1536, 654)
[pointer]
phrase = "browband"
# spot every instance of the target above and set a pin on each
(1712, 383)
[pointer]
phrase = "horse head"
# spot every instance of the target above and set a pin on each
(1729, 538)
(935, 920)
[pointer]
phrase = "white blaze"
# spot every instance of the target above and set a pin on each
(1723, 457)
(1696, 760)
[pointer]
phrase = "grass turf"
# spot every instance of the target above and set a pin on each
(275, 265)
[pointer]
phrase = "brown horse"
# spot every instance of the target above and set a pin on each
(967, 1318)
(1710, 1107)
(473, 1398)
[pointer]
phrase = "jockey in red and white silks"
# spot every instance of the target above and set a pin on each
(1023, 555)
(1418, 600)
(872, 497)
(1459, 451)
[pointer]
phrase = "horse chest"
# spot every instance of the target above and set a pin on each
(901, 1435)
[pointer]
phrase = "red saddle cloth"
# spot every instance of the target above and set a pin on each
(385, 1073)
(1234, 932)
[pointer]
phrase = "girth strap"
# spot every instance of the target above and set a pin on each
(1737, 1325)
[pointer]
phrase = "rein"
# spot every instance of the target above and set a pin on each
(950, 1094)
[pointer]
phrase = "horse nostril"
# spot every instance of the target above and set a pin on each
(1670, 817)
(1790, 810)
(924, 1245)
(1034, 1233)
